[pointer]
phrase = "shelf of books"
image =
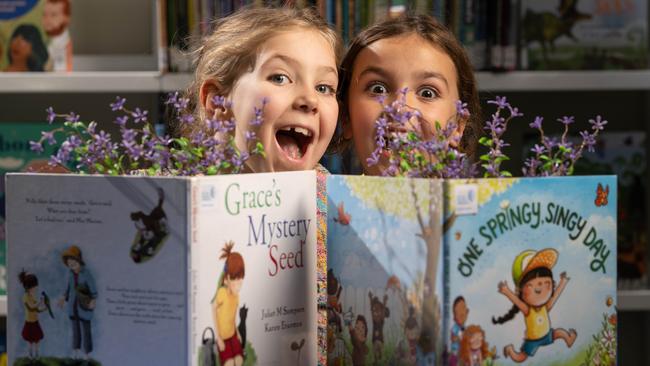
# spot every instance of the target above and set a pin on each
(154, 81)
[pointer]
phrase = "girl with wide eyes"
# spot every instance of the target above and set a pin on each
(412, 52)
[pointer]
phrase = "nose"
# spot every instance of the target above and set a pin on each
(306, 100)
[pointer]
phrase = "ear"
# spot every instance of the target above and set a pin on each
(209, 89)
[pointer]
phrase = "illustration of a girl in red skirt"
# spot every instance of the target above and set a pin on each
(32, 332)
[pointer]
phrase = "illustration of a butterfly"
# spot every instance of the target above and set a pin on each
(601, 195)
(344, 217)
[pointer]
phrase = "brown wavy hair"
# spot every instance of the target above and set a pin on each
(465, 352)
(234, 268)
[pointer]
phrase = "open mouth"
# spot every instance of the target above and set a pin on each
(294, 141)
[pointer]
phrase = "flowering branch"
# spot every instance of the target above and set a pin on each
(415, 148)
(211, 150)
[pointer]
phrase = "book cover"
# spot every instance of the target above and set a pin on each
(35, 36)
(254, 268)
(584, 34)
(385, 271)
(92, 261)
(123, 270)
(531, 271)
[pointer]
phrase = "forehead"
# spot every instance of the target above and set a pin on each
(404, 55)
(300, 43)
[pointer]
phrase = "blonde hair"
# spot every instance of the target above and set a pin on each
(231, 49)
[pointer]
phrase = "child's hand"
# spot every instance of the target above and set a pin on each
(564, 277)
(220, 345)
(61, 302)
(91, 304)
(503, 287)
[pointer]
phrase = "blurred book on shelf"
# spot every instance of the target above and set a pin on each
(584, 34)
(35, 36)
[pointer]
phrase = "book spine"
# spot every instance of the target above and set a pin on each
(160, 34)
(192, 206)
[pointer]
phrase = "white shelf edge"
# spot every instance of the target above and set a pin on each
(154, 81)
(633, 300)
(175, 82)
(564, 80)
(80, 81)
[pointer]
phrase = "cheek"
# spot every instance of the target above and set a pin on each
(330, 114)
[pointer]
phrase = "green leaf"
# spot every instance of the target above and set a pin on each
(212, 170)
(501, 159)
(99, 168)
(506, 174)
(485, 157)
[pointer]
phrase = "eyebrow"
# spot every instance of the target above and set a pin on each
(420, 75)
(293, 62)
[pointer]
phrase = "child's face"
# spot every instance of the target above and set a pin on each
(475, 341)
(296, 71)
(460, 312)
(73, 265)
(385, 67)
(54, 17)
(235, 285)
(537, 291)
(20, 49)
(360, 330)
(33, 291)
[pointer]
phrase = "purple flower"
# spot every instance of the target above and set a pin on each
(186, 118)
(139, 115)
(566, 120)
(537, 123)
(172, 98)
(50, 115)
(91, 128)
(598, 123)
(36, 146)
(72, 117)
(250, 135)
(48, 136)
(500, 102)
(461, 109)
(121, 121)
(102, 138)
(514, 111)
(118, 105)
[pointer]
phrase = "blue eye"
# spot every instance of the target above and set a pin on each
(279, 79)
(427, 93)
(377, 88)
(325, 89)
